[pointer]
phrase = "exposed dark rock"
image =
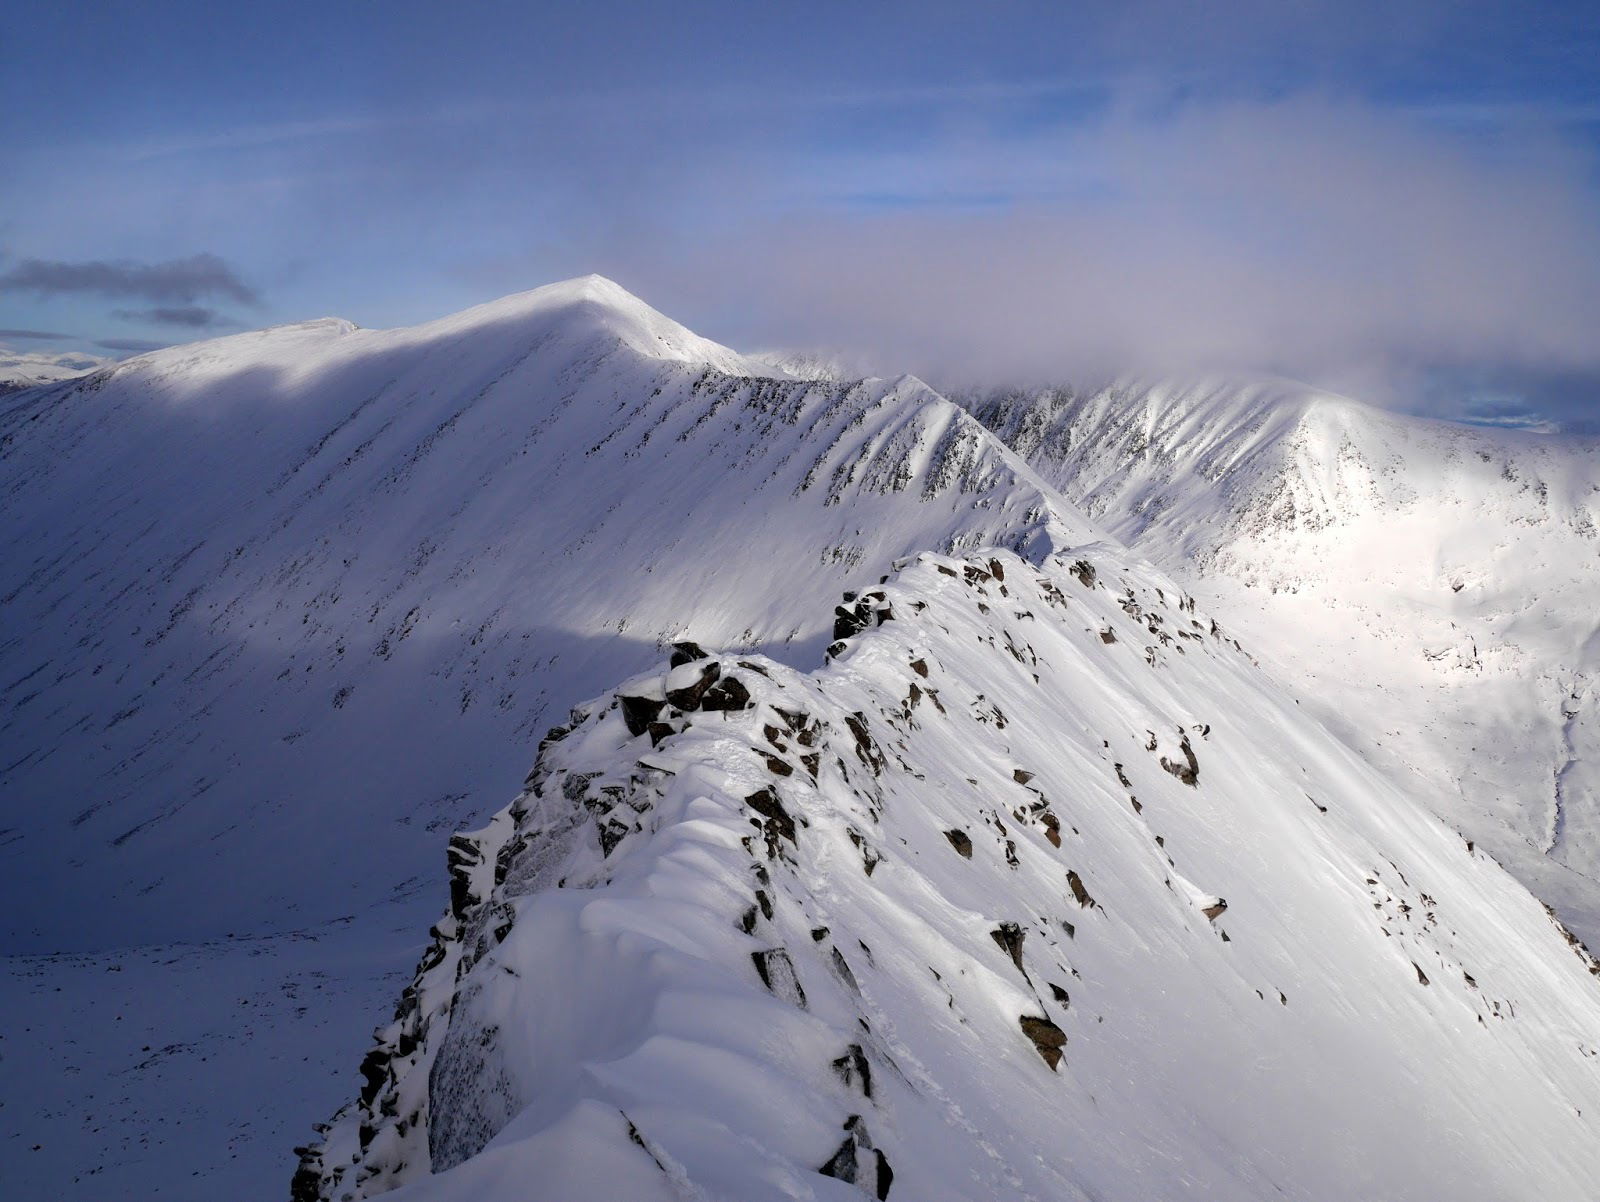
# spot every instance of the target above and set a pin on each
(1021, 775)
(885, 1174)
(960, 841)
(1079, 893)
(1060, 995)
(920, 667)
(851, 621)
(1187, 772)
(1048, 1038)
(793, 719)
(858, 1163)
(729, 693)
(866, 750)
(659, 731)
(852, 1068)
(1084, 571)
(461, 856)
(765, 802)
(1215, 909)
(869, 857)
(1108, 635)
(688, 696)
(639, 712)
(633, 1134)
(686, 653)
(375, 1074)
(777, 973)
(1052, 828)
(1009, 937)
(306, 1184)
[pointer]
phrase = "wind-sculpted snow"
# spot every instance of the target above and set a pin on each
(1039, 889)
(282, 607)
(1429, 588)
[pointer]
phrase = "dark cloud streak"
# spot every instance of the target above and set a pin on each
(192, 317)
(175, 281)
(35, 335)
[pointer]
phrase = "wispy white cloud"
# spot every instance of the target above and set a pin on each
(1361, 247)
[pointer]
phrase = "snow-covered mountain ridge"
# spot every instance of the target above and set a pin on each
(1427, 587)
(1040, 889)
(322, 570)
(285, 608)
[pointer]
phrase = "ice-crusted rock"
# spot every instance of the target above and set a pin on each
(678, 970)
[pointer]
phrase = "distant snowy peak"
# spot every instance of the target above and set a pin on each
(1199, 463)
(594, 310)
(30, 369)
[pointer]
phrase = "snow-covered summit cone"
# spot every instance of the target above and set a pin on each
(282, 606)
(1040, 889)
(1428, 587)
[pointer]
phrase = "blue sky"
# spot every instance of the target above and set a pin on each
(1399, 200)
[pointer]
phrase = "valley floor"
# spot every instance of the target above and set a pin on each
(187, 1072)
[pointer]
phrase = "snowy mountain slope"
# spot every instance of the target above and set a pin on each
(281, 607)
(1429, 588)
(284, 609)
(1040, 889)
